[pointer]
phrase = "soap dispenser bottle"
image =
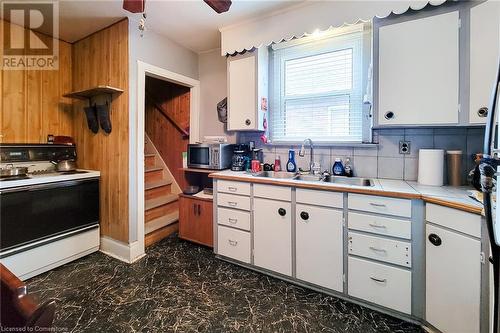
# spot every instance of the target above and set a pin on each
(338, 168)
(291, 166)
(348, 167)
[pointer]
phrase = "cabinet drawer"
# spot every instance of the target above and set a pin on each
(380, 284)
(233, 243)
(388, 250)
(233, 187)
(382, 205)
(320, 198)
(272, 192)
(234, 218)
(233, 201)
(454, 219)
(380, 225)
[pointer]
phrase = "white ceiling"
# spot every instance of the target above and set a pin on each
(190, 23)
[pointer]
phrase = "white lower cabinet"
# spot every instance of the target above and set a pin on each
(319, 246)
(380, 284)
(273, 235)
(453, 279)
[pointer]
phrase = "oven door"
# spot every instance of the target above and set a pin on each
(37, 212)
(199, 156)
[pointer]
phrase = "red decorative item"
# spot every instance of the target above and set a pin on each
(134, 6)
(255, 166)
(263, 138)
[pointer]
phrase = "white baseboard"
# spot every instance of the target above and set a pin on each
(125, 252)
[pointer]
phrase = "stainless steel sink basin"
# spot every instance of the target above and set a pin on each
(276, 174)
(349, 181)
(309, 178)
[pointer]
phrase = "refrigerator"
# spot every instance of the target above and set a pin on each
(489, 168)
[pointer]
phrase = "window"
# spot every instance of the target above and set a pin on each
(317, 89)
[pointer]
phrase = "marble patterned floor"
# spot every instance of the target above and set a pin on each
(181, 287)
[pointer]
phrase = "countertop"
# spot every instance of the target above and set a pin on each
(454, 197)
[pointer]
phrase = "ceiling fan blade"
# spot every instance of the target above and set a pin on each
(220, 6)
(134, 6)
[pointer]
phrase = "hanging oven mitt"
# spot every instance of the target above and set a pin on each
(103, 115)
(91, 114)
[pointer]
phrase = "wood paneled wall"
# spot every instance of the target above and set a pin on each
(31, 102)
(102, 59)
(166, 137)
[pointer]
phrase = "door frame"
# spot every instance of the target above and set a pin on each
(137, 172)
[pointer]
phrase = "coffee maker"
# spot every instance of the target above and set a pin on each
(240, 157)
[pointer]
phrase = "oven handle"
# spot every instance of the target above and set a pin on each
(15, 189)
(67, 183)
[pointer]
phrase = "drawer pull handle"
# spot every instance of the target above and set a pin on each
(377, 226)
(376, 249)
(232, 203)
(304, 216)
(232, 242)
(377, 205)
(378, 280)
(233, 221)
(232, 189)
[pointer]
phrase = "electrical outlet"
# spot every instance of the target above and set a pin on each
(404, 147)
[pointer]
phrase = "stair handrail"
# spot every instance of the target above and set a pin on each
(160, 108)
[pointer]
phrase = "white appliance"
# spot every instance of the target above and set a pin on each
(47, 218)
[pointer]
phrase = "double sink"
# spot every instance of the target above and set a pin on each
(354, 181)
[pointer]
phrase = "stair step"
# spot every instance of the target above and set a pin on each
(149, 155)
(155, 184)
(151, 169)
(160, 201)
(161, 222)
(158, 235)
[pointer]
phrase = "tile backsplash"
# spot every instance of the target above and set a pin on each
(384, 160)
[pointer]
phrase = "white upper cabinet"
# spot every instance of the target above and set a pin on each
(247, 87)
(418, 79)
(484, 53)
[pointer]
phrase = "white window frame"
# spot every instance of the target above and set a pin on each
(335, 40)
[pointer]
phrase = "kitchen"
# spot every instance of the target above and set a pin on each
(265, 122)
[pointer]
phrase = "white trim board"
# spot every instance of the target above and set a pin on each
(136, 170)
(128, 253)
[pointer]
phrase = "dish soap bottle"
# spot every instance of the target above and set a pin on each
(348, 167)
(291, 166)
(338, 168)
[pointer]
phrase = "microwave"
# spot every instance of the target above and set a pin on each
(215, 156)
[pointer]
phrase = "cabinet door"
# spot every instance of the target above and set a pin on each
(319, 246)
(452, 280)
(484, 52)
(195, 220)
(242, 106)
(273, 235)
(419, 71)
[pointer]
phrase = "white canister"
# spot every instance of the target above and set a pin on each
(431, 167)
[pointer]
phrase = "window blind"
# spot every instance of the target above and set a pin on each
(317, 89)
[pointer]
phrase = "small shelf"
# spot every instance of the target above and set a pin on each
(194, 170)
(89, 93)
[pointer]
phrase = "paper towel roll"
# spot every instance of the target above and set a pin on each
(430, 167)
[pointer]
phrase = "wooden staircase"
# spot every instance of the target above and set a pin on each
(161, 195)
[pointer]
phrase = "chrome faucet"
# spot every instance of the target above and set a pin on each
(312, 166)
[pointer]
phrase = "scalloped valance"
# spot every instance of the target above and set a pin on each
(308, 17)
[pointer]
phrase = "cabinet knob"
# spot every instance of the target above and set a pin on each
(483, 112)
(435, 239)
(304, 215)
(248, 122)
(282, 212)
(389, 115)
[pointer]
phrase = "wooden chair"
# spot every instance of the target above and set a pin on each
(18, 309)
